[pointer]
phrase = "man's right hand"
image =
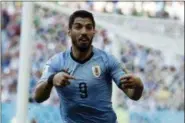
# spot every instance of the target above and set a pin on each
(62, 79)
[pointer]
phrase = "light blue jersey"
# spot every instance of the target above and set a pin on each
(88, 98)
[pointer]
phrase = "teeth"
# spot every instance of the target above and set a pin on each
(83, 39)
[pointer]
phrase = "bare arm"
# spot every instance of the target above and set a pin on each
(42, 91)
(132, 86)
(134, 94)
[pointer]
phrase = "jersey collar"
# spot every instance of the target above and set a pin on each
(85, 60)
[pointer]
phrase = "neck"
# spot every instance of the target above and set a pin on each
(81, 56)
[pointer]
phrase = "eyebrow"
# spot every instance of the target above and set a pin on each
(88, 24)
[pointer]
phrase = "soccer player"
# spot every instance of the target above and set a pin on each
(82, 76)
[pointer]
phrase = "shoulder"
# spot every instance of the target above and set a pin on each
(57, 61)
(105, 55)
(58, 57)
(102, 53)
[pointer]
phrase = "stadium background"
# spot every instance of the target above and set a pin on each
(161, 68)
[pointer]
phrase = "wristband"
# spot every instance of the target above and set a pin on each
(120, 85)
(50, 79)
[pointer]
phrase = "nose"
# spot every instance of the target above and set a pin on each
(83, 31)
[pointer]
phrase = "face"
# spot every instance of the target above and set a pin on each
(82, 33)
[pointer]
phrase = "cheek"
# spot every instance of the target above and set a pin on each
(73, 35)
(92, 35)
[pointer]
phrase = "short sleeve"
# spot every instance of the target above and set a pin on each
(50, 68)
(115, 69)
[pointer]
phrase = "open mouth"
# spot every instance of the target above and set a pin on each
(84, 40)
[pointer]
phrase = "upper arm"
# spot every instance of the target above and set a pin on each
(115, 69)
(50, 68)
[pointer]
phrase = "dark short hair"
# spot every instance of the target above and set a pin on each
(82, 14)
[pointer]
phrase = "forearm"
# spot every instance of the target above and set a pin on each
(134, 94)
(42, 92)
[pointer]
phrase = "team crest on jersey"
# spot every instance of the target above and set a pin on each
(96, 70)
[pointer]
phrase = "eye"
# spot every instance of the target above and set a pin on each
(77, 26)
(89, 27)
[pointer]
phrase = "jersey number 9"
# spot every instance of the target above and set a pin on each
(83, 90)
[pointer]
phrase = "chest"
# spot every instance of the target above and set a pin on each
(92, 70)
(91, 79)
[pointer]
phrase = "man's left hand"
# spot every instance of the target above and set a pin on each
(130, 81)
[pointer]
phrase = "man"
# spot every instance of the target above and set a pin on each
(83, 77)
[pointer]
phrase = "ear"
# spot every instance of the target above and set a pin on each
(69, 32)
(95, 31)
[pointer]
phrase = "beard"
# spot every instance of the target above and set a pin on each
(82, 47)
